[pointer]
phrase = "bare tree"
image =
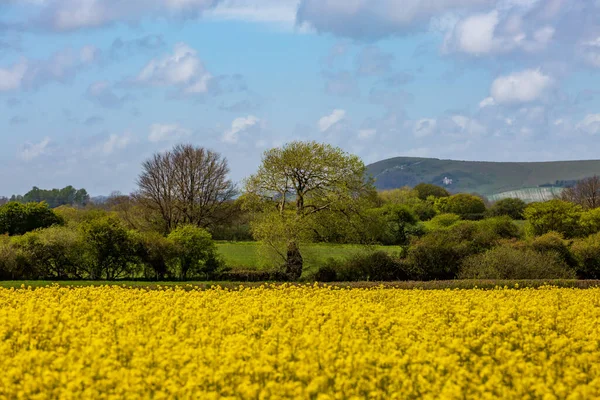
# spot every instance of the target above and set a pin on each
(187, 185)
(586, 193)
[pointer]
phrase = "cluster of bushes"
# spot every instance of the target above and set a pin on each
(100, 247)
(493, 248)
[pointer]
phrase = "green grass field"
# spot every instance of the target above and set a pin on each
(251, 255)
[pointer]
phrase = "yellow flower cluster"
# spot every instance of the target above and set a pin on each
(303, 342)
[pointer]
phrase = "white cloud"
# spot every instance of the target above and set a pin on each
(369, 19)
(62, 66)
(520, 87)
(182, 69)
(424, 127)
(590, 124)
(590, 51)
(115, 143)
(166, 132)
(68, 15)
(364, 134)
(273, 11)
(239, 125)
(487, 102)
(11, 78)
(34, 150)
(475, 34)
(328, 121)
(102, 94)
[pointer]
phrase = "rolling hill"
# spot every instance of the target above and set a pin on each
(528, 180)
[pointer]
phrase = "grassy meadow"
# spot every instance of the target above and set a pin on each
(254, 256)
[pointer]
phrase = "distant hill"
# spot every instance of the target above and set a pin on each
(528, 180)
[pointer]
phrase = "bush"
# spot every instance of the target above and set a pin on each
(509, 263)
(465, 205)
(52, 253)
(587, 253)
(553, 242)
(554, 215)
(111, 250)
(425, 190)
(502, 227)
(156, 252)
(441, 221)
(9, 260)
(513, 208)
(590, 222)
(18, 219)
(375, 266)
(195, 252)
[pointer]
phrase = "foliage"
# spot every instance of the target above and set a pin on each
(441, 221)
(53, 253)
(55, 197)
(505, 262)
(554, 215)
(467, 206)
(293, 185)
(426, 190)
(18, 219)
(513, 208)
(111, 251)
(590, 222)
(157, 253)
(408, 197)
(370, 266)
(587, 253)
(194, 251)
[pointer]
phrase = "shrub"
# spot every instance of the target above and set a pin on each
(465, 205)
(375, 266)
(425, 190)
(195, 252)
(553, 242)
(513, 208)
(587, 253)
(18, 219)
(156, 252)
(590, 222)
(441, 221)
(9, 259)
(505, 262)
(502, 227)
(438, 255)
(53, 253)
(111, 251)
(554, 215)
(401, 221)
(326, 273)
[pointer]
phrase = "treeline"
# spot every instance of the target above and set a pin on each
(54, 197)
(303, 192)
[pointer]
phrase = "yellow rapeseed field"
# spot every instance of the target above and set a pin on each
(299, 342)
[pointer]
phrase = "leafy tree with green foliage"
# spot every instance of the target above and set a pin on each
(111, 252)
(18, 219)
(194, 251)
(590, 221)
(409, 197)
(425, 190)
(554, 215)
(294, 186)
(156, 252)
(54, 253)
(55, 197)
(466, 205)
(513, 208)
(401, 222)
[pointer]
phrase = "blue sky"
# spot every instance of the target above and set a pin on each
(91, 88)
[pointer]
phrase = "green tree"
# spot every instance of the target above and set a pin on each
(409, 197)
(194, 251)
(18, 219)
(590, 221)
(294, 186)
(554, 215)
(156, 252)
(55, 252)
(401, 222)
(111, 252)
(466, 205)
(513, 208)
(424, 190)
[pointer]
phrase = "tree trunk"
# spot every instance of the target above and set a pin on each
(293, 263)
